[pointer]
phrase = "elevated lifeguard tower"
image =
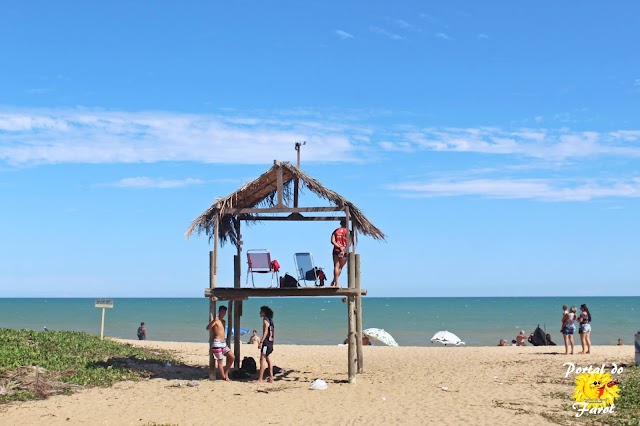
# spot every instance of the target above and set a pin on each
(274, 197)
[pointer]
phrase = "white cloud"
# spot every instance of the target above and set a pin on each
(482, 36)
(443, 36)
(147, 182)
(386, 33)
(534, 189)
(404, 24)
(98, 136)
(343, 34)
(546, 144)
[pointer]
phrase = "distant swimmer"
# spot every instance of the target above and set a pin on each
(255, 339)
(142, 332)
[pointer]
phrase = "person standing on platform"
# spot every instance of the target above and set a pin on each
(339, 242)
(266, 342)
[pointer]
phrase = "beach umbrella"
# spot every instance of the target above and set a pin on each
(242, 331)
(380, 335)
(446, 338)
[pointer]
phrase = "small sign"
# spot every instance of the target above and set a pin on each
(104, 303)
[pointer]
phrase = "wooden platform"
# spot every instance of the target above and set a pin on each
(231, 293)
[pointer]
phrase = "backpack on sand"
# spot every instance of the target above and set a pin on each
(249, 365)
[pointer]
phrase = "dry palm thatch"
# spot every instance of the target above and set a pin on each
(262, 193)
(34, 379)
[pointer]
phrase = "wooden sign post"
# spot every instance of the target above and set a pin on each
(103, 303)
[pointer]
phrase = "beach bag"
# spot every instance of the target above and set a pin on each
(275, 266)
(249, 365)
(288, 281)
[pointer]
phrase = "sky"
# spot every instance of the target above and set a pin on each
(497, 144)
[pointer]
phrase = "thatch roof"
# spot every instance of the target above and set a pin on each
(262, 193)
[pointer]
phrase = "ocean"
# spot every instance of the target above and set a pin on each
(322, 321)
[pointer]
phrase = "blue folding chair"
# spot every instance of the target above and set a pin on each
(306, 269)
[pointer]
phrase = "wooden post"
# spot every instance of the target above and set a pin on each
(279, 184)
(348, 220)
(237, 311)
(358, 316)
(230, 324)
(351, 306)
(213, 272)
(351, 350)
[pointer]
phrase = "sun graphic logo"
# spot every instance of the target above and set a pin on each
(595, 393)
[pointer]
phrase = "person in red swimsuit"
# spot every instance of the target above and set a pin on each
(339, 242)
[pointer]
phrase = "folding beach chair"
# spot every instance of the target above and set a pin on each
(259, 262)
(307, 271)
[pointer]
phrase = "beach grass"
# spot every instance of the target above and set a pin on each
(37, 364)
(628, 404)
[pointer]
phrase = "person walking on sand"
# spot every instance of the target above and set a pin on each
(266, 342)
(219, 349)
(339, 253)
(585, 328)
(142, 332)
(568, 328)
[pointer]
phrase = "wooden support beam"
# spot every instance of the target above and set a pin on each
(237, 312)
(348, 226)
(294, 218)
(280, 189)
(212, 361)
(358, 316)
(213, 276)
(229, 322)
(351, 270)
(351, 350)
(230, 293)
(283, 209)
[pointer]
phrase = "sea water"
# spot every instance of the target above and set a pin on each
(322, 321)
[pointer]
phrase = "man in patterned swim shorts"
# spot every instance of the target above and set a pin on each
(219, 348)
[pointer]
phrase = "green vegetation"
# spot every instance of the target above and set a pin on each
(628, 405)
(36, 364)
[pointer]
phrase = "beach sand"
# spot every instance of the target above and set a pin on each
(485, 385)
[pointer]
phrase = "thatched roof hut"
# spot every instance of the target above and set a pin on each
(273, 192)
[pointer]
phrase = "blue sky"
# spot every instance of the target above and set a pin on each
(497, 144)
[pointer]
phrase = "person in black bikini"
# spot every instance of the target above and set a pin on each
(266, 342)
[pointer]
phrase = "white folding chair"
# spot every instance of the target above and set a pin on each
(259, 262)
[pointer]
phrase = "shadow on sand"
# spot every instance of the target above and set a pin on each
(157, 370)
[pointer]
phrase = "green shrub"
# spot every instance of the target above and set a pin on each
(67, 357)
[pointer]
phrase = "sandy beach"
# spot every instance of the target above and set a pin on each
(484, 385)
